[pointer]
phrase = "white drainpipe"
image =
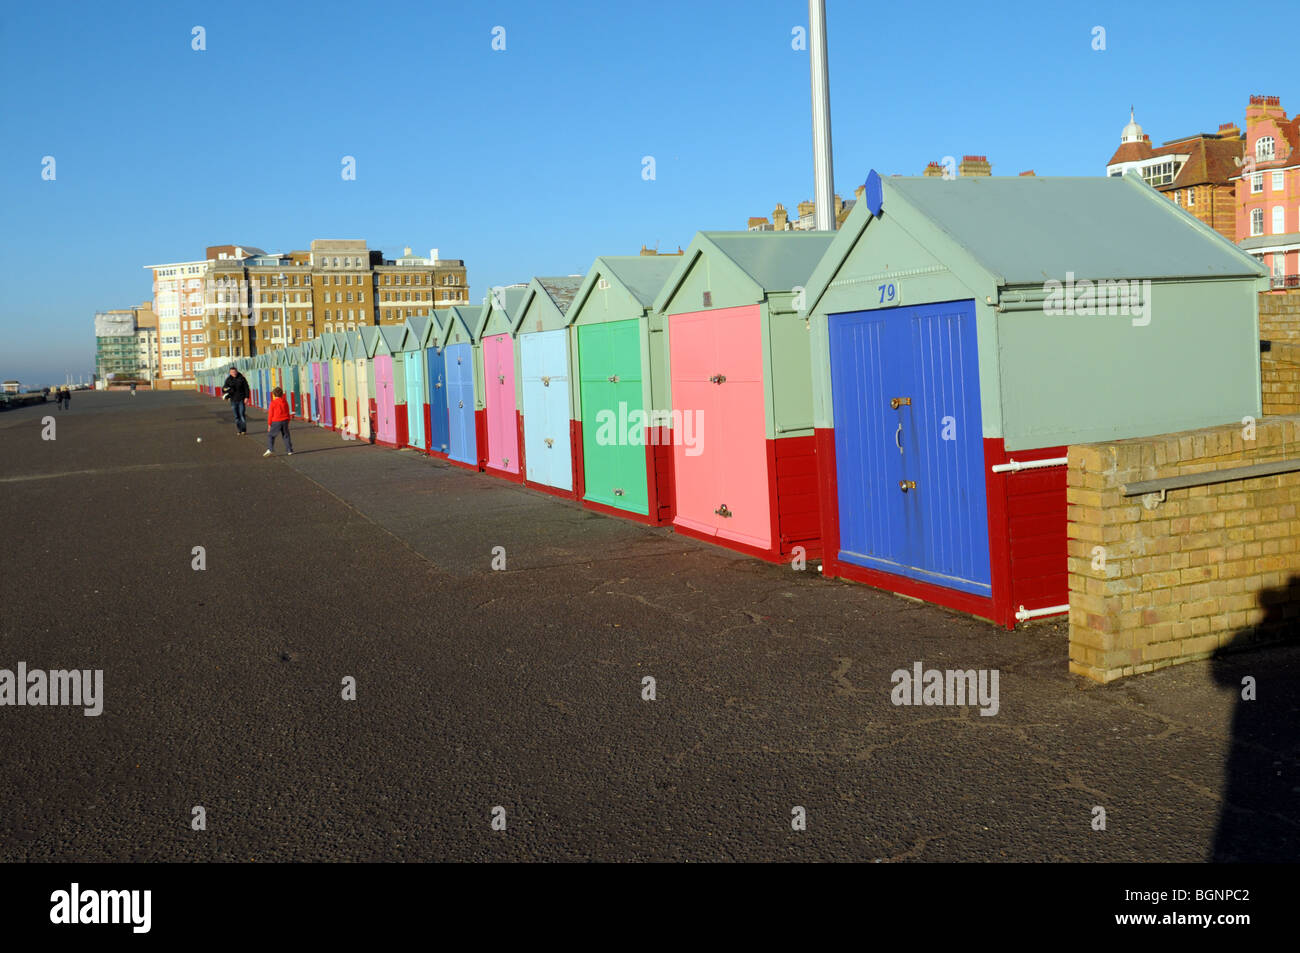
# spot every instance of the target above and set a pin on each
(1015, 466)
(1022, 614)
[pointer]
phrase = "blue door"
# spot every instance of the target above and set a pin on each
(415, 398)
(460, 404)
(909, 443)
(544, 357)
(439, 435)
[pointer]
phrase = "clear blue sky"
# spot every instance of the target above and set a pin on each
(528, 161)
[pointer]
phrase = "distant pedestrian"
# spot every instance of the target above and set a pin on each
(277, 422)
(236, 390)
(66, 394)
(133, 388)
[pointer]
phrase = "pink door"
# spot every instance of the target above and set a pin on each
(499, 371)
(386, 426)
(717, 375)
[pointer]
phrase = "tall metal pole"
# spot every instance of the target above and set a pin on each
(823, 173)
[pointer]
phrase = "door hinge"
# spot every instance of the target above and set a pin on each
(723, 511)
(900, 402)
(906, 485)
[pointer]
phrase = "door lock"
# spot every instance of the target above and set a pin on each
(906, 485)
(546, 382)
(501, 378)
(723, 511)
(718, 379)
(460, 403)
(613, 378)
(550, 442)
(618, 491)
(900, 402)
(437, 385)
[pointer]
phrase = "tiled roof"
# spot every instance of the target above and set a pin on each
(562, 290)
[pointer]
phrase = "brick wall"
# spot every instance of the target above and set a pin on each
(1209, 566)
(1279, 323)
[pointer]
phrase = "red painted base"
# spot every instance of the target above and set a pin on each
(1027, 537)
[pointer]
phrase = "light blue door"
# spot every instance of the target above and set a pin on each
(460, 403)
(909, 445)
(415, 398)
(545, 359)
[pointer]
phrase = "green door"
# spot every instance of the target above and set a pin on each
(613, 415)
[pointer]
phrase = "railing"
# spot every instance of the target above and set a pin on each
(1286, 281)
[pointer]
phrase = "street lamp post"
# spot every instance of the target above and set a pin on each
(284, 312)
(823, 174)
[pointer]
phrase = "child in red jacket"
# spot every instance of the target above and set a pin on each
(277, 421)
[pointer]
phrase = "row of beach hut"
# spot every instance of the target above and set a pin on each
(893, 399)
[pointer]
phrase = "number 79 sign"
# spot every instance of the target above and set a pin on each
(891, 293)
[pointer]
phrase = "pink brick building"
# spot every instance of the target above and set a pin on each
(1268, 190)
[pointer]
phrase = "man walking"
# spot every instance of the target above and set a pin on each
(236, 390)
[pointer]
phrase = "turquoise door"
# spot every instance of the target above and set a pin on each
(415, 398)
(545, 359)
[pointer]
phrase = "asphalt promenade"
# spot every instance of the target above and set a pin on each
(523, 688)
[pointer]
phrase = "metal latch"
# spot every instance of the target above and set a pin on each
(505, 461)
(437, 385)
(617, 491)
(546, 382)
(501, 378)
(900, 402)
(906, 485)
(718, 379)
(460, 403)
(550, 442)
(723, 511)
(613, 378)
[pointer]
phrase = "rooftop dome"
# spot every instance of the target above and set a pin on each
(1132, 132)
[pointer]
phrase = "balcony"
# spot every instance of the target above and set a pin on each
(1285, 281)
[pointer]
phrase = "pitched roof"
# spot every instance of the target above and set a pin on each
(642, 275)
(1028, 230)
(776, 261)
(561, 290)
(1025, 230)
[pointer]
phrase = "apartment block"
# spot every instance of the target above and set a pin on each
(1268, 190)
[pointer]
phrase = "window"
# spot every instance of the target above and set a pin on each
(1279, 220)
(1257, 182)
(408, 279)
(361, 296)
(327, 314)
(1279, 180)
(1191, 197)
(349, 296)
(1279, 265)
(328, 300)
(1264, 148)
(1257, 221)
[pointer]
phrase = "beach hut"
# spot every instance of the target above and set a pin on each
(314, 350)
(366, 382)
(302, 372)
(543, 383)
(465, 436)
(390, 387)
(967, 331)
(415, 364)
(622, 446)
(497, 364)
(744, 475)
(354, 358)
(436, 421)
(334, 355)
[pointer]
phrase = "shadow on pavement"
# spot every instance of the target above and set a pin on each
(1259, 819)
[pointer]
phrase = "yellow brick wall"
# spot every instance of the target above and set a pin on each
(1151, 587)
(1279, 323)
